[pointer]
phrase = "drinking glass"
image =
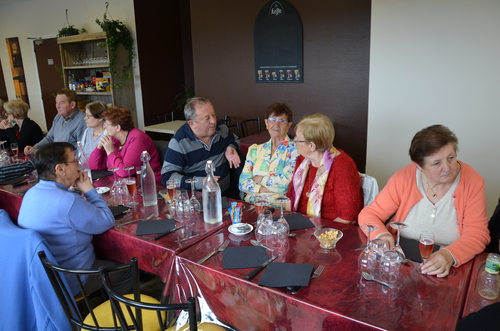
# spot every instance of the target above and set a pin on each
(15, 150)
(131, 186)
(390, 266)
(172, 185)
(280, 229)
(194, 202)
(397, 247)
(369, 227)
(370, 257)
(364, 259)
(114, 187)
(260, 203)
(263, 228)
(426, 244)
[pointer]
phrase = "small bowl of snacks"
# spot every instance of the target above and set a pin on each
(328, 237)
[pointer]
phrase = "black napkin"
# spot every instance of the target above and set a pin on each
(118, 211)
(411, 249)
(154, 227)
(297, 221)
(279, 274)
(225, 203)
(14, 181)
(96, 174)
(243, 257)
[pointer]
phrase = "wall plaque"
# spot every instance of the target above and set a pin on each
(278, 44)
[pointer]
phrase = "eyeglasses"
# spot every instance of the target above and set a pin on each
(107, 124)
(277, 120)
(299, 141)
(88, 116)
(74, 161)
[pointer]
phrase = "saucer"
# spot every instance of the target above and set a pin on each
(102, 190)
(247, 228)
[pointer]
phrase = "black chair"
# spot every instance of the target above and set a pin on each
(75, 309)
(160, 118)
(237, 127)
(250, 127)
(128, 320)
(226, 120)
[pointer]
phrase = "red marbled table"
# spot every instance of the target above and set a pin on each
(474, 301)
(338, 300)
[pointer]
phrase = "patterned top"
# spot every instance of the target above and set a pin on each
(277, 169)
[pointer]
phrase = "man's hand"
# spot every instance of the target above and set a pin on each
(83, 183)
(232, 157)
(439, 263)
(29, 149)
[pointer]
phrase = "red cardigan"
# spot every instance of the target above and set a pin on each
(342, 196)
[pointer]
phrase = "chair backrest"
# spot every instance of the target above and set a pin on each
(250, 127)
(122, 306)
(160, 118)
(71, 308)
(161, 147)
(369, 186)
(227, 120)
(238, 129)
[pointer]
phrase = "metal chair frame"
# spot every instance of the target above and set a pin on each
(244, 127)
(68, 302)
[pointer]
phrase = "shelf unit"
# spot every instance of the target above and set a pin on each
(74, 49)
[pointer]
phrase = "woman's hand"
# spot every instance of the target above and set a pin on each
(389, 240)
(439, 263)
(5, 124)
(107, 143)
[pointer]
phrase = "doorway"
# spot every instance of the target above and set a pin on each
(49, 65)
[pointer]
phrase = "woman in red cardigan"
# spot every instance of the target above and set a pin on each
(326, 181)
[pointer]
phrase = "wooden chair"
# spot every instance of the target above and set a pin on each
(98, 318)
(250, 127)
(125, 307)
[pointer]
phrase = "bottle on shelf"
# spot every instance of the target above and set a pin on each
(489, 280)
(148, 182)
(212, 200)
(71, 81)
(83, 160)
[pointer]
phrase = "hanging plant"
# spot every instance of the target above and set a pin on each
(68, 30)
(118, 34)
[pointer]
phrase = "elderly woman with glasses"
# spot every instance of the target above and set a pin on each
(95, 126)
(269, 167)
(18, 127)
(123, 145)
(326, 182)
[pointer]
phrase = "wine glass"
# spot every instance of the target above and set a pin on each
(369, 227)
(15, 150)
(425, 245)
(280, 228)
(397, 247)
(114, 187)
(194, 202)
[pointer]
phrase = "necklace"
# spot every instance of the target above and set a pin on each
(309, 184)
(121, 145)
(429, 189)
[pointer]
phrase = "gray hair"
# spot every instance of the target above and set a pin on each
(190, 107)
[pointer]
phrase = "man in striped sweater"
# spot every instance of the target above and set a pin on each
(197, 141)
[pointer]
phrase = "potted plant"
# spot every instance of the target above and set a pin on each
(118, 34)
(69, 31)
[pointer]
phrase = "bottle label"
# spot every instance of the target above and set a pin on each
(492, 267)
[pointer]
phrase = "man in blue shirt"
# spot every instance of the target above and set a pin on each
(69, 123)
(197, 141)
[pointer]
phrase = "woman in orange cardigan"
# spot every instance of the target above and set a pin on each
(437, 193)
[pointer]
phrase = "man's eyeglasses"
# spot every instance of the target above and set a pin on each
(277, 120)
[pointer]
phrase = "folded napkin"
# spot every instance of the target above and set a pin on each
(279, 274)
(154, 227)
(411, 249)
(225, 203)
(243, 257)
(118, 211)
(297, 221)
(96, 174)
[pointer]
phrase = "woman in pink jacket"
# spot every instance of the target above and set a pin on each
(436, 193)
(123, 145)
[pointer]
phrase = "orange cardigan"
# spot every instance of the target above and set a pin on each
(401, 193)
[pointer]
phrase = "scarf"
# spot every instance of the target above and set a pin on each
(318, 185)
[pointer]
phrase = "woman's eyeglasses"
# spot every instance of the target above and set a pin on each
(277, 120)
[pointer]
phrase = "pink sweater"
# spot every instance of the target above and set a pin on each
(130, 155)
(401, 193)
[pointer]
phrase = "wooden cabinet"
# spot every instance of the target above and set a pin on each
(85, 56)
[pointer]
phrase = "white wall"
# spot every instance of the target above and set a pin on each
(435, 61)
(39, 18)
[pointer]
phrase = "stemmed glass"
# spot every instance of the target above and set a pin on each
(364, 257)
(425, 245)
(281, 228)
(194, 202)
(114, 188)
(397, 247)
(15, 150)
